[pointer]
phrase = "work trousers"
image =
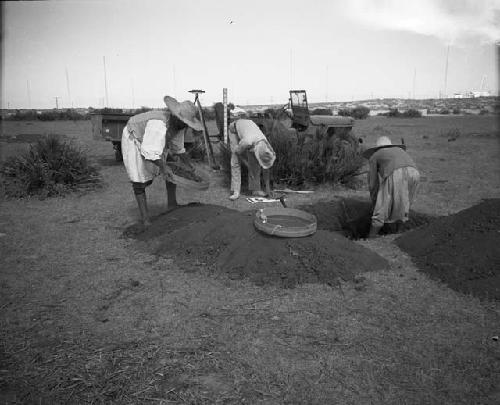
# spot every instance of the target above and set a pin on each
(254, 172)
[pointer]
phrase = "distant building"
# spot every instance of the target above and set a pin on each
(480, 94)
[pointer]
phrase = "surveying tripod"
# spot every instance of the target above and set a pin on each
(206, 137)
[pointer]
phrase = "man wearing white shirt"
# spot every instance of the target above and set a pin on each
(249, 144)
(146, 141)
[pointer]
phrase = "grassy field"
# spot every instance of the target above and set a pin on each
(88, 317)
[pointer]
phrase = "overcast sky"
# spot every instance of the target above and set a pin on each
(258, 49)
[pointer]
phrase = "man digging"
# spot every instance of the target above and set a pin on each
(148, 139)
(392, 180)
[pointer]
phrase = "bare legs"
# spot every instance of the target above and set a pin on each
(374, 230)
(142, 204)
(171, 195)
(143, 208)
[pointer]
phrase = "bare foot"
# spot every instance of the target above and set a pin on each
(172, 207)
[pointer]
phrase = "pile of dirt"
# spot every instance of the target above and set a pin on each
(226, 242)
(462, 250)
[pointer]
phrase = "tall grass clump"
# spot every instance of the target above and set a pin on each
(309, 160)
(50, 167)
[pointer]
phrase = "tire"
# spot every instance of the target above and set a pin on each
(118, 152)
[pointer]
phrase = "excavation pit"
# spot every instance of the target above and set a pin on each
(352, 218)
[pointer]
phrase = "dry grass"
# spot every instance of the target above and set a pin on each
(89, 317)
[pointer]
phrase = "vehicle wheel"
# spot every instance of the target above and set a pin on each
(118, 151)
(118, 156)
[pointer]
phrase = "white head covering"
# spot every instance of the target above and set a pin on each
(382, 142)
(264, 153)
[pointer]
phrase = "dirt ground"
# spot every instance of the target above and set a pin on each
(91, 316)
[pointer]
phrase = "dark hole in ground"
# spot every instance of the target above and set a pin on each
(225, 242)
(461, 250)
(352, 217)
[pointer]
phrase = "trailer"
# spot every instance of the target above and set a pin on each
(109, 126)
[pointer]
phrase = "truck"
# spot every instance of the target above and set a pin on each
(304, 125)
(304, 122)
(109, 126)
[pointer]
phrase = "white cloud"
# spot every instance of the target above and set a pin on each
(448, 20)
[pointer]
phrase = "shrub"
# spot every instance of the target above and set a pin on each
(29, 115)
(395, 113)
(456, 111)
(359, 112)
(411, 113)
(444, 111)
(50, 167)
(55, 115)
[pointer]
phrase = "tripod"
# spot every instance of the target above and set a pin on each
(206, 137)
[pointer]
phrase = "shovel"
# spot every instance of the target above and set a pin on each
(287, 190)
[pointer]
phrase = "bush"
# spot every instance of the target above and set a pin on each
(359, 112)
(411, 113)
(50, 115)
(345, 112)
(29, 115)
(56, 115)
(395, 113)
(444, 111)
(50, 167)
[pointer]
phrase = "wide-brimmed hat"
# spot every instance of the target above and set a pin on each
(185, 111)
(382, 142)
(264, 153)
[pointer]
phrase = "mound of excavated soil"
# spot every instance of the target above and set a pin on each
(226, 241)
(462, 250)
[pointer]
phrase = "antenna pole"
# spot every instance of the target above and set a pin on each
(446, 71)
(105, 82)
(414, 80)
(67, 88)
(133, 95)
(29, 93)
